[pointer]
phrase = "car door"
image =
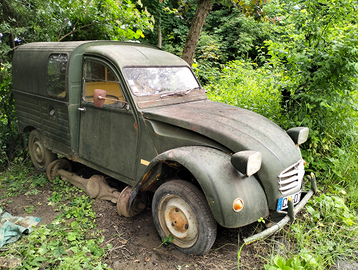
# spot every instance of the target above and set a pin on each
(108, 135)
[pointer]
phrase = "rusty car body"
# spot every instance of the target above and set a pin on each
(138, 114)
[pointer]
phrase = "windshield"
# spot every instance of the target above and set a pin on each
(145, 81)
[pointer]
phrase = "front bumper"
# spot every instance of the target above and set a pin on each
(290, 216)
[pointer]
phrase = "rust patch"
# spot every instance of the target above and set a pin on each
(151, 182)
(135, 125)
(178, 221)
(195, 128)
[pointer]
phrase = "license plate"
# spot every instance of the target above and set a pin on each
(283, 202)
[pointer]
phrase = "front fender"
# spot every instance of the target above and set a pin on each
(219, 180)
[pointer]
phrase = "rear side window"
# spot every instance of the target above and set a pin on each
(56, 74)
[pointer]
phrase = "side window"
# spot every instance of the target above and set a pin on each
(99, 76)
(56, 74)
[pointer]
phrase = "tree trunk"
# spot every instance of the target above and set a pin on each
(159, 35)
(202, 10)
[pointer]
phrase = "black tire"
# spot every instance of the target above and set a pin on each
(180, 209)
(41, 157)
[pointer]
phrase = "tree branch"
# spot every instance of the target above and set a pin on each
(74, 31)
(64, 22)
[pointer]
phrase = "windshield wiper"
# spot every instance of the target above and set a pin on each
(188, 91)
(172, 94)
(179, 93)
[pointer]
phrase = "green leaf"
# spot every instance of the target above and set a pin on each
(280, 262)
(72, 236)
(37, 261)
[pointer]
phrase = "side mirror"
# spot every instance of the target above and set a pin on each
(99, 97)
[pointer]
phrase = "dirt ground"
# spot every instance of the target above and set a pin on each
(136, 244)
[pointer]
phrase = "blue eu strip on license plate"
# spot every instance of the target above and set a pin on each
(283, 202)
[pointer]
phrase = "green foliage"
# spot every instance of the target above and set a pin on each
(250, 8)
(167, 240)
(235, 35)
(207, 62)
(171, 22)
(71, 241)
(294, 263)
(58, 20)
(20, 178)
(238, 37)
(326, 232)
(243, 86)
(8, 123)
(228, 35)
(317, 55)
(329, 230)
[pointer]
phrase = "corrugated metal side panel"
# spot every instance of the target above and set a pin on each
(27, 111)
(34, 111)
(56, 126)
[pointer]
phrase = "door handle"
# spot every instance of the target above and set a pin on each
(82, 109)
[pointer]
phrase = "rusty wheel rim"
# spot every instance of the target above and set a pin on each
(178, 219)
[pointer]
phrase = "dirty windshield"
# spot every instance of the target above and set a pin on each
(145, 81)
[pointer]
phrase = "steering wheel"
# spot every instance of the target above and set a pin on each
(112, 96)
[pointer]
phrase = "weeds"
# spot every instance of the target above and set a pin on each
(166, 241)
(71, 241)
(327, 232)
(20, 178)
(295, 263)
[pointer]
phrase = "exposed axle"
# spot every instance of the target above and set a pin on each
(96, 187)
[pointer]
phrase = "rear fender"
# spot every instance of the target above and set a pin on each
(219, 180)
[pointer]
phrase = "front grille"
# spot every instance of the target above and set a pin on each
(291, 178)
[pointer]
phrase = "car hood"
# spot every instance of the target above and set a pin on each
(235, 128)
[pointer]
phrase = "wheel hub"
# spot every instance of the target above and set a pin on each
(39, 153)
(180, 221)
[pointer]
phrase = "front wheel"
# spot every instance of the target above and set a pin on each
(41, 157)
(180, 209)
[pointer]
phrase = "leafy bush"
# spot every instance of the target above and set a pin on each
(240, 84)
(8, 125)
(317, 56)
(239, 36)
(207, 58)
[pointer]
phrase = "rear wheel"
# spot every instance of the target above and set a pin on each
(41, 157)
(181, 211)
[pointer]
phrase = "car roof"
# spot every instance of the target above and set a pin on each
(121, 53)
(30, 60)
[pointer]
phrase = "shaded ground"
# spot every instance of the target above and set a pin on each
(136, 244)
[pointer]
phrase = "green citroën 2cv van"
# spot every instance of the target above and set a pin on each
(139, 115)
